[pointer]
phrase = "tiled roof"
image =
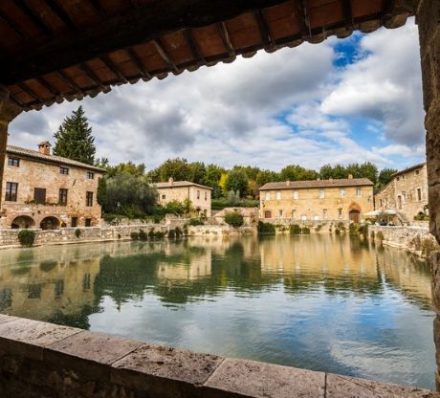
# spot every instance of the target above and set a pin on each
(179, 184)
(15, 150)
(343, 182)
(408, 169)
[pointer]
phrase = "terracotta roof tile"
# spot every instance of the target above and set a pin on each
(343, 182)
(179, 184)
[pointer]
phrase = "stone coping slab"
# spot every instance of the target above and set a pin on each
(166, 372)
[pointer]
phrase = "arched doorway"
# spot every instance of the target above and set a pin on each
(354, 213)
(50, 223)
(21, 222)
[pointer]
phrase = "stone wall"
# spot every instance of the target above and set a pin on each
(416, 239)
(220, 230)
(39, 359)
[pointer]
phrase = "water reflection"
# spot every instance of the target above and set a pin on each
(325, 303)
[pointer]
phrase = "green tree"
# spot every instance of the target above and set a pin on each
(198, 172)
(368, 170)
(237, 181)
(385, 176)
(295, 172)
(212, 179)
(177, 168)
(265, 176)
(74, 138)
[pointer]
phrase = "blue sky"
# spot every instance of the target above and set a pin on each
(340, 101)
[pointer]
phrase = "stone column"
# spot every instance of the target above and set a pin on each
(428, 19)
(8, 111)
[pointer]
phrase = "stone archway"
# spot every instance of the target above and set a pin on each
(50, 223)
(21, 222)
(354, 212)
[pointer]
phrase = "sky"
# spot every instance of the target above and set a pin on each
(352, 100)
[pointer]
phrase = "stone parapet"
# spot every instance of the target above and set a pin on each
(40, 359)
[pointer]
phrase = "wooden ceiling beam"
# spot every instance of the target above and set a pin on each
(68, 81)
(165, 56)
(113, 68)
(47, 86)
(12, 25)
(263, 27)
(348, 12)
(137, 61)
(226, 38)
(303, 15)
(34, 17)
(137, 25)
(91, 75)
(61, 14)
(24, 87)
(194, 46)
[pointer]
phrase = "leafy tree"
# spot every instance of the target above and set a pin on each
(74, 138)
(234, 219)
(198, 172)
(212, 179)
(368, 170)
(385, 176)
(265, 176)
(237, 181)
(295, 172)
(177, 168)
(128, 168)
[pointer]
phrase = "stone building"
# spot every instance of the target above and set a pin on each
(407, 193)
(317, 200)
(46, 191)
(199, 195)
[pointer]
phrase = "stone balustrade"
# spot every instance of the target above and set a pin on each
(39, 359)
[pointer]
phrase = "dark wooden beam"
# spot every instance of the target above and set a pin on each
(97, 5)
(138, 25)
(61, 14)
(138, 63)
(33, 16)
(28, 91)
(91, 75)
(194, 46)
(164, 55)
(68, 81)
(47, 86)
(12, 25)
(303, 16)
(348, 12)
(113, 68)
(263, 27)
(224, 34)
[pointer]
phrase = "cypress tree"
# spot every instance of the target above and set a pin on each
(74, 138)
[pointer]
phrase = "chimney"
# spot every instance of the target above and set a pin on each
(350, 176)
(44, 147)
(171, 180)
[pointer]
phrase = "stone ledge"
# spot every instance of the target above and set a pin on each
(43, 359)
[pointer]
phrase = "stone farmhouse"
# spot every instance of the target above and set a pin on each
(199, 195)
(46, 191)
(407, 193)
(318, 200)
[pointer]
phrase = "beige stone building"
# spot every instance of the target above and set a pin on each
(407, 193)
(46, 191)
(199, 195)
(317, 200)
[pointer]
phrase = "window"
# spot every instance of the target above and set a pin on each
(358, 191)
(74, 222)
(13, 162)
(321, 194)
(339, 213)
(62, 197)
(89, 199)
(267, 195)
(87, 281)
(64, 170)
(419, 194)
(88, 222)
(293, 213)
(278, 195)
(198, 194)
(206, 195)
(59, 288)
(40, 196)
(11, 191)
(398, 178)
(90, 175)
(295, 195)
(164, 196)
(343, 192)
(34, 291)
(280, 213)
(324, 214)
(417, 172)
(404, 195)
(381, 202)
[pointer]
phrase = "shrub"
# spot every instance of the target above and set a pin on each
(26, 237)
(77, 233)
(421, 216)
(143, 235)
(151, 234)
(159, 235)
(428, 246)
(134, 236)
(295, 229)
(234, 219)
(194, 222)
(305, 231)
(265, 228)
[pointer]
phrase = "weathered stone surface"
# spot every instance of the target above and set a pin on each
(164, 371)
(7, 318)
(344, 386)
(256, 379)
(96, 347)
(435, 269)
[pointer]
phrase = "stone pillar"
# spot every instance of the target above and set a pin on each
(8, 111)
(428, 19)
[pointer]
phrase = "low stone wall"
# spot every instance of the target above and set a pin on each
(220, 230)
(39, 359)
(416, 239)
(9, 237)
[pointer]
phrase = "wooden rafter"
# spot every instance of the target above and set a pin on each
(113, 68)
(68, 81)
(24, 87)
(264, 29)
(12, 25)
(47, 85)
(33, 16)
(91, 75)
(59, 11)
(303, 15)
(348, 12)
(224, 34)
(136, 60)
(194, 46)
(164, 55)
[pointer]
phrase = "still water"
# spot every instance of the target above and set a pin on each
(317, 302)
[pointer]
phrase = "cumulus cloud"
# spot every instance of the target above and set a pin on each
(293, 106)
